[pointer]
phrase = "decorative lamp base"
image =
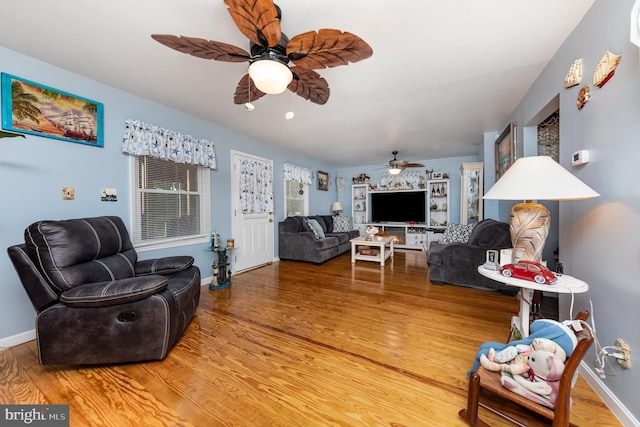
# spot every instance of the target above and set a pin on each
(529, 226)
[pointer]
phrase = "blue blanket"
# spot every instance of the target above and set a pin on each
(541, 328)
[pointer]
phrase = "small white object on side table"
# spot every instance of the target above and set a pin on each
(564, 285)
(383, 251)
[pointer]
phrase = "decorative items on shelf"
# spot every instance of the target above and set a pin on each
(361, 179)
(438, 202)
(408, 180)
(359, 211)
(371, 231)
(438, 190)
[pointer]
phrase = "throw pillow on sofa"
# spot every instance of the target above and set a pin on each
(316, 228)
(456, 233)
(341, 224)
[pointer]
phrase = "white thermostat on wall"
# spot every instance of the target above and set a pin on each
(580, 157)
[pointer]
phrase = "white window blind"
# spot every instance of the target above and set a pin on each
(171, 202)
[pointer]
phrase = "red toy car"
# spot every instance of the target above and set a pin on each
(529, 270)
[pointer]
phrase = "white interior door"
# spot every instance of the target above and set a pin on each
(253, 232)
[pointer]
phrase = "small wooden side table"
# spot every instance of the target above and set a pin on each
(564, 285)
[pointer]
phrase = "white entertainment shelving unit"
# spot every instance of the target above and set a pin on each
(438, 208)
(359, 207)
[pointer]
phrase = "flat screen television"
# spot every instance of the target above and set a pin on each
(399, 206)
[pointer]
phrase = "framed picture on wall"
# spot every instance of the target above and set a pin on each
(323, 181)
(505, 150)
(36, 109)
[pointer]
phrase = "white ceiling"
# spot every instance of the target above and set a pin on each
(442, 72)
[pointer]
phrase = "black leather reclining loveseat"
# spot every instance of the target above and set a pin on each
(95, 302)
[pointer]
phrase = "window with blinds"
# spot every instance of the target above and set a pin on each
(171, 202)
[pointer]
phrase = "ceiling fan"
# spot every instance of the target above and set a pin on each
(396, 165)
(271, 51)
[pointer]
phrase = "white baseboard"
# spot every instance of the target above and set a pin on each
(616, 406)
(18, 339)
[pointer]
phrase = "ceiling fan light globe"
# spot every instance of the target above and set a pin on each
(395, 171)
(269, 76)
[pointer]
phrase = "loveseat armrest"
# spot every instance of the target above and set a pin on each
(296, 245)
(105, 294)
(166, 265)
(435, 253)
(458, 254)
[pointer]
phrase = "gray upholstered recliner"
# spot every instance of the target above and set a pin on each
(96, 302)
(457, 263)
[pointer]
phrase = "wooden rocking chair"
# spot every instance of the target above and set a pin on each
(489, 380)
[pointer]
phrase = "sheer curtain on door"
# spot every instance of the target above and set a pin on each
(256, 186)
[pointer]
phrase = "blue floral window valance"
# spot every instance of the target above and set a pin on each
(144, 139)
(297, 174)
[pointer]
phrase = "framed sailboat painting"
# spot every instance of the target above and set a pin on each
(36, 109)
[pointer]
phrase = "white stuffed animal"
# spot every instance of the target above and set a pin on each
(541, 382)
(513, 359)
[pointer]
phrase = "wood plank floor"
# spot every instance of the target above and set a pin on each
(295, 344)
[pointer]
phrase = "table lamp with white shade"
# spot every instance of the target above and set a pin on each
(336, 207)
(535, 178)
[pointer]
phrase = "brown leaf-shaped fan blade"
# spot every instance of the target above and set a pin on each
(244, 88)
(254, 17)
(414, 165)
(327, 48)
(207, 49)
(310, 85)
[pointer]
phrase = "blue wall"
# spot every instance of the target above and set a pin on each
(599, 238)
(35, 169)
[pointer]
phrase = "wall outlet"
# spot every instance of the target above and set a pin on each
(624, 351)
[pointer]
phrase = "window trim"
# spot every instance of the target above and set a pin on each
(204, 183)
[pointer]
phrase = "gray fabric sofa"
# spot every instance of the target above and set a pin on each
(96, 303)
(296, 241)
(457, 263)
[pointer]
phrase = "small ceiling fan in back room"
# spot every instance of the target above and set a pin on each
(396, 165)
(272, 51)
